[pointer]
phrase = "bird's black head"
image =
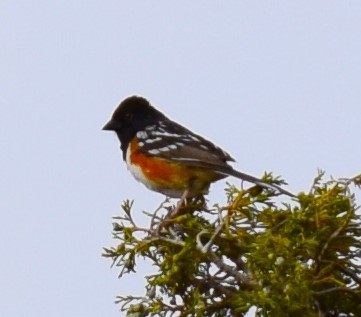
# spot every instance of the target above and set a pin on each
(132, 115)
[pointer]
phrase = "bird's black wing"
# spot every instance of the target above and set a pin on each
(174, 142)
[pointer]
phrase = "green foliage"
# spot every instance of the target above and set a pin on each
(296, 259)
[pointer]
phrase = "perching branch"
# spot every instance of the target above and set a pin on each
(299, 258)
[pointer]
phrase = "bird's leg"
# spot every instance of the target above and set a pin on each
(181, 201)
(174, 212)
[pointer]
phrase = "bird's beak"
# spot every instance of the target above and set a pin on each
(110, 126)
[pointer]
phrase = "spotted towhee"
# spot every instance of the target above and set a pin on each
(168, 158)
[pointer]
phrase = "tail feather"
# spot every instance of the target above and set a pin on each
(259, 182)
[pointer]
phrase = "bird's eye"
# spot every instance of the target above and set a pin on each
(129, 116)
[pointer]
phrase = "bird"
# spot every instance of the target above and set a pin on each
(169, 158)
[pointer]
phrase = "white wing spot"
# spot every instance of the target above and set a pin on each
(164, 149)
(159, 133)
(194, 138)
(162, 124)
(149, 141)
(154, 151)
(172, 146)
(205, 147)
(142, 135)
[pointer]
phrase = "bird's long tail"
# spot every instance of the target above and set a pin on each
(257, 181)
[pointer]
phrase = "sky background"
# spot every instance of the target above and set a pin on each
(275, 83)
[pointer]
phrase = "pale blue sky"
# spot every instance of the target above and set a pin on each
(276, 83)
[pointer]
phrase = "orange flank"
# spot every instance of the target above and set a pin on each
(164, 173)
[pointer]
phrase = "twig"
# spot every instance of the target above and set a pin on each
(333, 236)
(335, 289)
(231, 271)
(204, 248)
(345, 270)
